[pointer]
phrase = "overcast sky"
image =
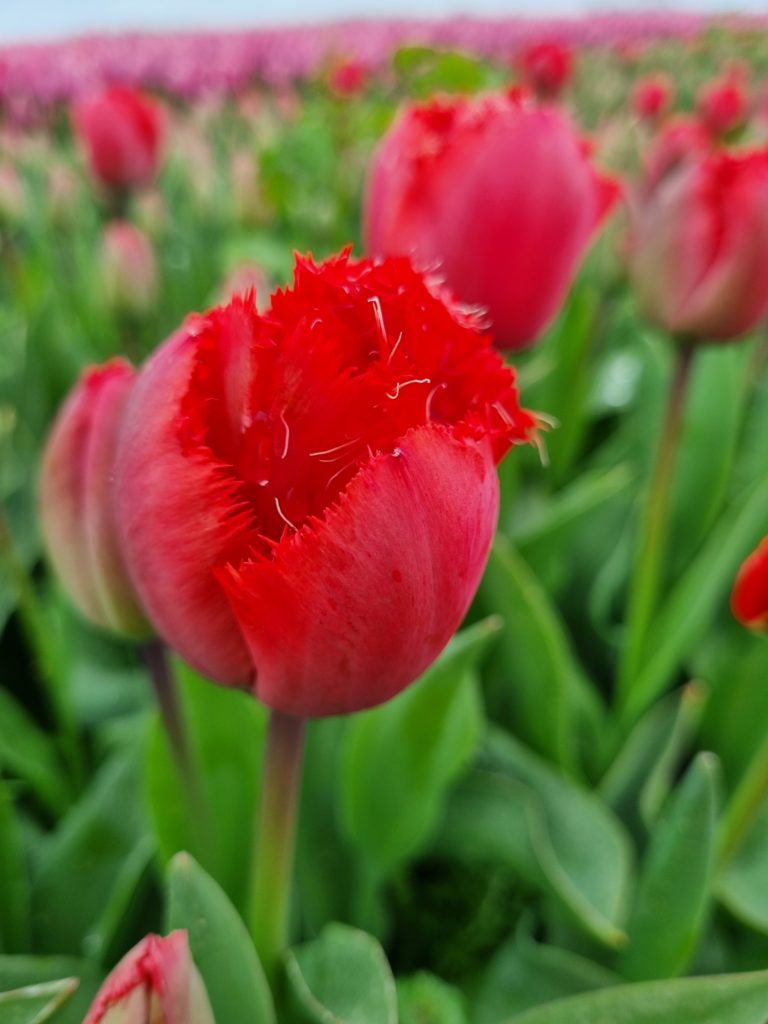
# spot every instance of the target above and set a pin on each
(20, 19)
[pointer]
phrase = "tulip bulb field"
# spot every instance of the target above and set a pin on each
(384, 525)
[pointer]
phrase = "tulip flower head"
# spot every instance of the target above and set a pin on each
(722, 105)
(76, 500)
(129, 267)
(308, 497)
(497, 194)
(698, 249)
(122, 132)
(749, 598)
(547, 68)
(679, 140)
(652, 97)
(155, 981)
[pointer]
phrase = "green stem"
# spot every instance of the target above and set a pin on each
(273, 867)
(744, 806)
(647, 569)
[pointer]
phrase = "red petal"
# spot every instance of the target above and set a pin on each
(749, 599)
(354, 607)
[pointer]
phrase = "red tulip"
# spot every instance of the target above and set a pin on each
(348, 78)
(129, 267)
(308, 497)
(652, 97)
(699, 247)
(76, 509)
(679, 140)
(122, 131)
(749, 598)
(547, 68)
(496, 194)
(155, 981)
(722, 105)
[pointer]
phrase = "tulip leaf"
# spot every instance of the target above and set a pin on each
(675, 879)
(400, 758)
(425, 999)
(27, 753)
(14, 883)
(81, 861)
(23, 971)
(556, 836)
(536, 679)
(110, 934)
(226, 728)
(689, 608)
(524, 973)
(220, 945)
(718, 999)
(342, 977)
(743, 886)
(36, 1003)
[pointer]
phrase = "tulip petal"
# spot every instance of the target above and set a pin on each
(355, 606)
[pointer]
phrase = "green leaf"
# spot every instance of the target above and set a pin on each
(555, 835)
(342, 977)
(36, 1003)
(400, 758)
(524, 973)
(14, 883)
(226, 729)
(536, 676)
(82, 860)
(674, 887)
(220, 945)
(110, 934)
(23, 971)
(425, 999)
(723, 999)
(743, 885)
(688, 611)
(27, 753)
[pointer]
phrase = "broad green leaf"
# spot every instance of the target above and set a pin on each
(14, 883)
(342, 977)
(722, 999)
(36, 1003)
(23, 971)
(690, 606)
(425, 999)
(226, 729)
(674, 887)
(524, 973)
(81, 861)
(555, 835)
(28, 754)
(743, 884)
(399, 759)
(220, 945)
(428, 71)
(536, 679)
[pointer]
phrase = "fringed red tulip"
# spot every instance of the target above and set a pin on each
(76, 500)
(749, 598)
(498, 196)
(156, 981)
(308, 497)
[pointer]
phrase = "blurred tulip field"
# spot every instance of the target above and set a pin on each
(306, 716)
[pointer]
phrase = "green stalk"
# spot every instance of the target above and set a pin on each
(649, 559)
(744, 806)
(275, 841)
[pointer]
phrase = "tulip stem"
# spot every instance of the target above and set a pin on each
(165, 687)
(649, 554)
(744, 806)
(273, 866)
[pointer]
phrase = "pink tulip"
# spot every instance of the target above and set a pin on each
(156, 981)
(496, 195)
(76, 499)
(129, 267)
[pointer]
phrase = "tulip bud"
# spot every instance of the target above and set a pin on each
(156, 981)
(546, 68)
(652, 97)
(722, 105)
(698, 249)
(498, 196)
(749, 597)
(129, 267)
(348, 78)
(122, 132)
(76, 502)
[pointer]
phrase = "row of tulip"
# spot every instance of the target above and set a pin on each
(300, 499)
